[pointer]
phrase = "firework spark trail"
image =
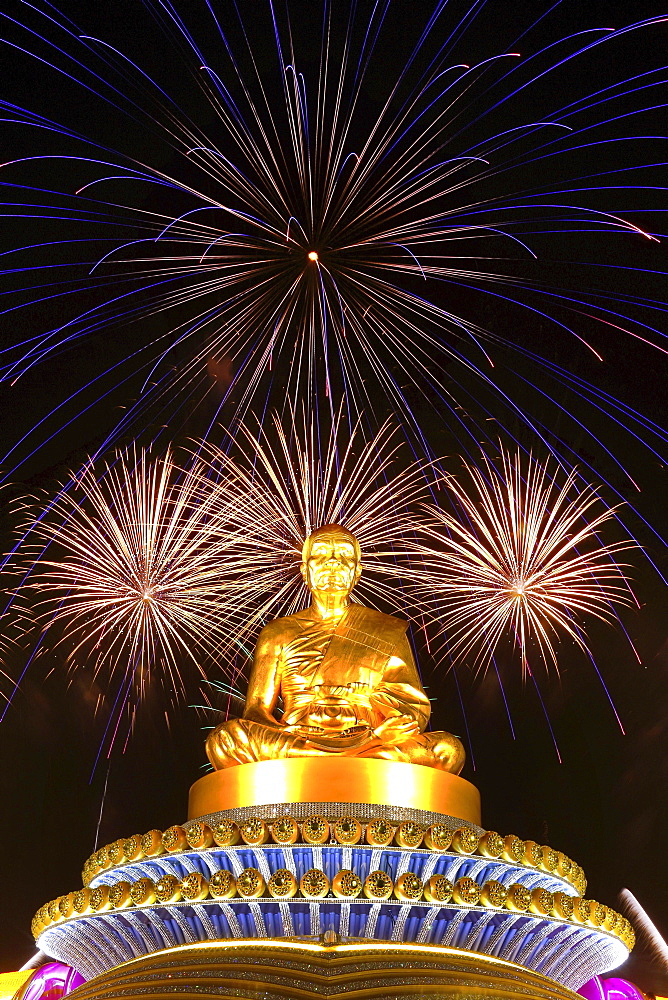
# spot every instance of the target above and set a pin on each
(653, 941)
(283, 484)
(523, 559)
(435, 173)
(158, 575)
(152, 572)
(143, 558)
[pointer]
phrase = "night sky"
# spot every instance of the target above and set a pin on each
(605, 803)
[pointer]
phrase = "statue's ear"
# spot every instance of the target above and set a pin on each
(358, 571)
(302, 570)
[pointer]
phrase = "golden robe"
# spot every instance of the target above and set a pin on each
(338, 682)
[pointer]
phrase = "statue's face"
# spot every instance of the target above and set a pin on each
(332, 564)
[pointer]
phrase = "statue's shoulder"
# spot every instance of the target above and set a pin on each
(376, 621)
(281, 626)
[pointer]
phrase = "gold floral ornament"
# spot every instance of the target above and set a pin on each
(611, 919)
(132, 850)
(314, 884)
(625, 933)
(346, 884)
(563, 905)
(102, 855)
(438, 889)
(588, 907)
(101, 858)
(194, 887)
(151, 844)
(199, 836)
(466, 892)
(115, 853)
(250, 883)
(142, 892)
(513, 849)
(465, 840)
(533, 854)
(579, 880)
(81, 901)
(491, 845)
(519, 898)
(100, 898)
(379, 833)
(226, 833)
(494, 894)
(53, 909)
(598, 915)
(347, 830)
(315, 830)
(222, 885)
(89, 871)
(438, 837)
(581, 910)
(119, 895)
(542, 902)
(282, 884)
(168, 889)
(549, 861)
(378, 885)
(409, 834)
(66, 905)
(408, 887)
(285, 830)
(564, 865)
(254, 832)
(174, 839)
(39, 922)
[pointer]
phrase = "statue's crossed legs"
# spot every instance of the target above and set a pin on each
(241, 741)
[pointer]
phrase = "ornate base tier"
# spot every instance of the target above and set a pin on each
(336, 781)
(566, 951)
(302, 970)
(222, 897)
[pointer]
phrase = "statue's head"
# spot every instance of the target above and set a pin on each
(331, 559)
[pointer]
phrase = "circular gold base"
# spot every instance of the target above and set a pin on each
(303, 969)
(335, 780)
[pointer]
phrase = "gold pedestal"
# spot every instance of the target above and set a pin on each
(294, 969)
(338, 780)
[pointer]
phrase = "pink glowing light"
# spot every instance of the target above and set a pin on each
(51, 982)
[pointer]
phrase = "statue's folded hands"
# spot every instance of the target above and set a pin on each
(397, 729)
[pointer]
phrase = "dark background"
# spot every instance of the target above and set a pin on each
(604, 804)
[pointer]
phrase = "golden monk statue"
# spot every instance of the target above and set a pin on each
(345, 676)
